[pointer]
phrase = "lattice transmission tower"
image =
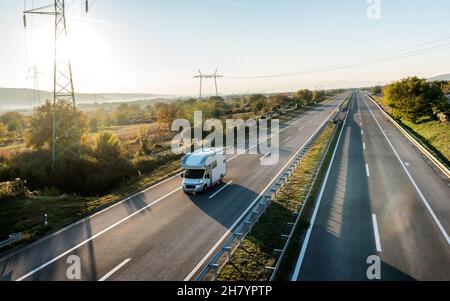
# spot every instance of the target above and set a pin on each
(65, 138)
(202, 76)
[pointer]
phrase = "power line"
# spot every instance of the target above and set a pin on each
(403, 53)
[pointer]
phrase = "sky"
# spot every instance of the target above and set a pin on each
(157, 46)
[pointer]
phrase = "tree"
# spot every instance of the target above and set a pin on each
(447, 88)
(97, 120)
(279, 100)
(108, 148)
(3, 131)
(166, 114)
(41, 125)
(318, 96)
(413, 98)
(305, 95)
(377, 90)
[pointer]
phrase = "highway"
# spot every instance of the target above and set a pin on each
(162, 233)
(382, 197)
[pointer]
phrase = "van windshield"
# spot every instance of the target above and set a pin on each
(195, 174)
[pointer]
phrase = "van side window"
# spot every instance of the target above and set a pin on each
(214, 165)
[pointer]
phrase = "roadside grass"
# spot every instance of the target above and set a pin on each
(433, 134)
(26, 214)
(249, 262)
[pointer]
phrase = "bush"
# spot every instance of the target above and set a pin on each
(12, 189)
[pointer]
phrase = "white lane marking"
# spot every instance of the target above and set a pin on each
(230, 229)
(299, 264)
(360, 124)
(265, 156)
(367, 170)
(287, 139)
(115, 269)
(220, 190)
(377, 233)
(364, 145)
(94, 237)
(422, 197)
(362, 133)
(407, 164)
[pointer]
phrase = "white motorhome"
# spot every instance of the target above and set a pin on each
(203, 169)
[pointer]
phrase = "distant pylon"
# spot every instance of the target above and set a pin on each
(35, 74)
(202, 76)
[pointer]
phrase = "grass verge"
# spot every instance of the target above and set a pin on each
(249, 262)
(26, 215)
(432, 134)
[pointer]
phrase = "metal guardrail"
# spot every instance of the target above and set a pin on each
(419, 145)
(302, 207)
(223, 255)
(12, 239)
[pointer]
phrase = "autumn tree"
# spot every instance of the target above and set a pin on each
(413, 98)
(305, 95)
(41, 125)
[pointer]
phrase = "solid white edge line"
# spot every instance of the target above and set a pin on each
(368, 170)
(299, 263)
(422, 197)
(376, 233)
(93, 237)
(230, 229)
(220, 190)
(115, 269)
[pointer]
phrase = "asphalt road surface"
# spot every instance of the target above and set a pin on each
(382, 198)
(161, 233)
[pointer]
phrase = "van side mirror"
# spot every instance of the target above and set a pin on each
(208, 177)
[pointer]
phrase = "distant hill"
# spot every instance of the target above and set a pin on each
(20, 99)
(444, 77)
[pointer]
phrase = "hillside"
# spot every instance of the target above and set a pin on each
(444, 77)
(11, 98)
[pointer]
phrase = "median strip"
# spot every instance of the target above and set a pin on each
(257, 256)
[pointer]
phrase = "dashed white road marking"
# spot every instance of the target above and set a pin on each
(115, 269)
(287, 139)
(364, 145)
(220, 190)
(377, 233)
(367, 170)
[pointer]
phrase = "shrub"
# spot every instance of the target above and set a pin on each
(12, 189)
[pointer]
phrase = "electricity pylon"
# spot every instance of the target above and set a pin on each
(214, 76)
(201, 77)
(65, 131)
(35, 74)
